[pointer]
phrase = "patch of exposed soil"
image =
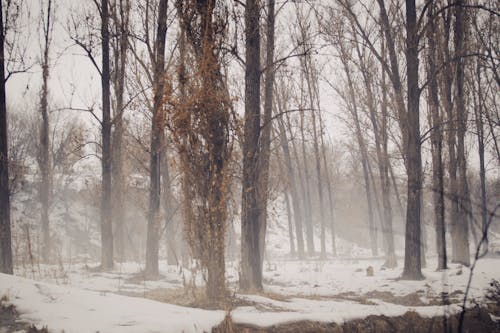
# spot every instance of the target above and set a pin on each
(476, 320)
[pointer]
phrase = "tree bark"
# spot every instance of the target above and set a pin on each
(251, 272)
(435, 123)
(121, 23)
(106, 200)
(462, 224)
(478, 113)
(157, 132)
(265, 141)
(412, 265)
(5, 232)
(44, 159)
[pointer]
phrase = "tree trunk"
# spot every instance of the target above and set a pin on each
(106, 203)
(478, 113)
(157, 129)
(290, 224)
(435, 121)
(306, 191)
(329, 189)
(380, 135)
(265, 141)
(117, 162)
(353, 108)
(251, 273)
(412, 265)
(462, 224)
(297, 213)
(5, 234)
(44, 159)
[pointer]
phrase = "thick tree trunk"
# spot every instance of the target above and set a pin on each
(435, 123)
(157, 129)
(412, 265)
(106, 200)
(44, 159)
(265, 141)
(5, 233)
(251, 273)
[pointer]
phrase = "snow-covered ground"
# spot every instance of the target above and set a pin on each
(78, 300)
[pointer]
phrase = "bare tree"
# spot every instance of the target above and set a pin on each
(251, 271)
(106, 158)
(5, 231)
(44, 147)
(413, 265)
(157, 129)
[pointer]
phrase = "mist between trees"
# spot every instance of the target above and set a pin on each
(376, 122)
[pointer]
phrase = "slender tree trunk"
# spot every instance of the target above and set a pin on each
(297, 213)
(265, 141)
(379, 135)
(119, 87)
(362, 148)
(307, 191)
(463, 254)
(172, 237)
(412, 265)
(290, 224)
(314, 103)
(328, 188)
(157, 133)
(106, 200)
(5, 233)
(435, 121)
(44, 159)
(478, 113)
(251, 273)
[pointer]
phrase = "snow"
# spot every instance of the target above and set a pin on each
(74, 310)
(325, 291)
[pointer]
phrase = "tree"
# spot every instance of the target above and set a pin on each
(412, 264)
(462, 252)
(201, 126)
(157, 129)
(5, 231)
(265, 141)
(106, 158)
(120, 18)
(44, 147)
(435, 123)
(251, 271)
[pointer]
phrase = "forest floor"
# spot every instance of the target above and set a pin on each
(299, 296)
